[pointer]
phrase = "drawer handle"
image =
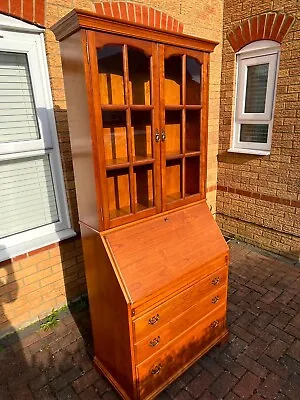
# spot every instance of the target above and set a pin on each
(214, 324)
(215, 299)
(154, 342)
(153, 320)
(216, 280)
(156, 370)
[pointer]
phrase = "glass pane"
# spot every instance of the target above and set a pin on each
(18, 120)
(192, 130)
(115, 138)
(139, 77)
(254, 133)
(142, 134)
(173, 80)
(257, 79)
(193, 81)
(192, 172)
(27, 198)
(173, 180)
(143, 180)
(111, 76)
(118, 192)
(173, 128)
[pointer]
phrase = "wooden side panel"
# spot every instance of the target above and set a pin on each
(80, 118)
(109, 314)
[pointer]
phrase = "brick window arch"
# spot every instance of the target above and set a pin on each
(140, 14)
(268, 26)
(27, 10)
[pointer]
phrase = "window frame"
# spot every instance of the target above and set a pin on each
(256, 53)
(19, 37)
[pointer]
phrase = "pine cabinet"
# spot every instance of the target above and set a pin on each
(156, 262)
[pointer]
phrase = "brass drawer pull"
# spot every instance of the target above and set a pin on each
(153, 320)
(163, 136)
(154, 342)
(216, 280)
(156, 370)
(215, 299)
(214, 324)
(157, 136)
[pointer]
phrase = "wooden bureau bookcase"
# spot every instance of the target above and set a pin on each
(156, 263)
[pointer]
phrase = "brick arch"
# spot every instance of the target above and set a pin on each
(268, 26)
(26, 10)
(140, 14)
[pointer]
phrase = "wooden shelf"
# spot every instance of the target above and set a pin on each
(173, 156)
(114, 107)
(174, 107)
(192, 153)
(117, 163)
(174, 197)
(120, 212)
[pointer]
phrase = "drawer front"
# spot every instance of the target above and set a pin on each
(148, 323)
(158, 370)
(164, 335)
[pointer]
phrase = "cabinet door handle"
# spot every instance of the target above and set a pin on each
(163, 136)
(154, 319)
(214, 324)
(215, 299)
(157, 135)
(216, 280)
(154, 342)
(156, 370)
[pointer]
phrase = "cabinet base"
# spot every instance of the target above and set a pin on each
(101, 369)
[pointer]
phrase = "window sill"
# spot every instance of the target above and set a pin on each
(249, 151)
(26, 247)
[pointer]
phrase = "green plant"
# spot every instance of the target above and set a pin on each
(1, 348)
(81, 305)
(51, 321)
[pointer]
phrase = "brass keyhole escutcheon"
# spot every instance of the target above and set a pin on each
(154, 342)
(153, 320)
(216, 280)
(156, 369)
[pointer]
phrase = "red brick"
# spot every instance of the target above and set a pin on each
(170, 23)
(157, 17)
(261, 26)
(99, 8)
(180, 28)
(163, 22)
(130, 9)
(138, 13)
(246, 31)
(107, 9)
(115, 10)
(39, 12)
(15, 7)
(123, 10)
(151, 17)
(4, 5)
(253, 27)
(288, 21)
(175, 25)
(269, 23)
(145, 15)
(276, 26)
(232, 40)
(28, 10)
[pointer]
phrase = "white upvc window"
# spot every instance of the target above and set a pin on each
(257, 70)
(33, 205)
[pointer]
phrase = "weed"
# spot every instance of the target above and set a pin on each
(51, 321)
(81, 305)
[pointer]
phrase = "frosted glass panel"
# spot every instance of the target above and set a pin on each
(257, 79)
(257, 133)
(18, 121)
(27, 197)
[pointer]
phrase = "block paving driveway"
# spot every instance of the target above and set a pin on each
(260, 361)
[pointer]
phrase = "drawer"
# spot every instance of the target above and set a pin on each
(156, 372)
(148, 323)
(164, 335)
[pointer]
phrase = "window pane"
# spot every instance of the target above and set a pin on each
(111, 76)
(18, 121)
(257, 79)
(27, 198)
(254, 133)
(193, 81)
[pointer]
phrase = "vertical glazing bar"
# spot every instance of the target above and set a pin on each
(183, 126)
(132, 188)
(204, 125)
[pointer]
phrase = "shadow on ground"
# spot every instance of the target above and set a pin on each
(260, 361)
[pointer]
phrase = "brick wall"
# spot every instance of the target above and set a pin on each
(32, 284)
(259, 196)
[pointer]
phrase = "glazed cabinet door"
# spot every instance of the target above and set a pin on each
(183, 116)
(125, 85)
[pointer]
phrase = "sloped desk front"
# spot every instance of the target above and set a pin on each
(157, 292)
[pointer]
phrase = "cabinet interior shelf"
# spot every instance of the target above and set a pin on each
(124, 107)
(179, 107)
(123, 163)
